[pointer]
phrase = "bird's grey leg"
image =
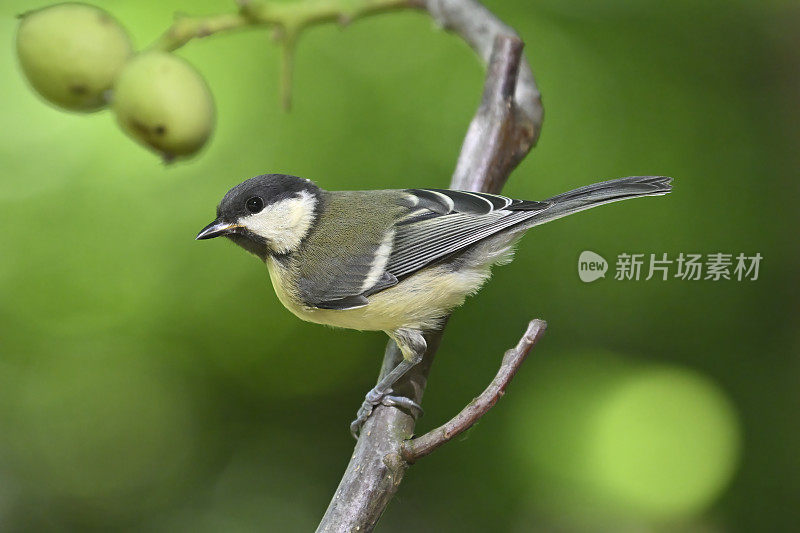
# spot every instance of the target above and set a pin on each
(413, 345)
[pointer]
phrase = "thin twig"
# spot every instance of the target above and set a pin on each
(290, 17)
(287, 19)
(421, 446)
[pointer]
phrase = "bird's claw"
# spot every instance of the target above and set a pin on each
(374, 398)
(405, 403)
(361, 416)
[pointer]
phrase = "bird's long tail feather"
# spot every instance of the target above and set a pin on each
(601, 193)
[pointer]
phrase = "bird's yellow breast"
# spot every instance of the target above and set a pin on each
(420, 301)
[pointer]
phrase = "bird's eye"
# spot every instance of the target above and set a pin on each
(254, 204)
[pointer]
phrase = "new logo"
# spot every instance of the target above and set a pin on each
(591, 266)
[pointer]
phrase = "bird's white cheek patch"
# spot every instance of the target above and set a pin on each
(285, 223)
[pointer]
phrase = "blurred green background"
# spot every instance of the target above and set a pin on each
(152, 383)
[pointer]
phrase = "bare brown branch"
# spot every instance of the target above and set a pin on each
(421, 446)
(504, 129)
(497, 139)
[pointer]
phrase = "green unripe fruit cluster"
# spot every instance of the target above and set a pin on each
(72, 53)
(161, 101)
(79, 58)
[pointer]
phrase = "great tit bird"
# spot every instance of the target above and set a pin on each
(397, 261)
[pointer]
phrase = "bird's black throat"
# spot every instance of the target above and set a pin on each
(254, 245)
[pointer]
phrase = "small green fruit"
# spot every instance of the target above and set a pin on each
(71, 54)
(161, 101)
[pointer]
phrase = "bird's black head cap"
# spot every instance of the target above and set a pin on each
(239, 211)
(267, 188)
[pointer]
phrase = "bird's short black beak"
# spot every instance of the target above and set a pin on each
(217, 229)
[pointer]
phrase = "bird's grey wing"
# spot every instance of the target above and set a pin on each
(446, 222)
(344, 259)
(353, 256)
(331, 299)
(442, 222)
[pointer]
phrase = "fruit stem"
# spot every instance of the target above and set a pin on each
(186, 28)
(288, 45)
